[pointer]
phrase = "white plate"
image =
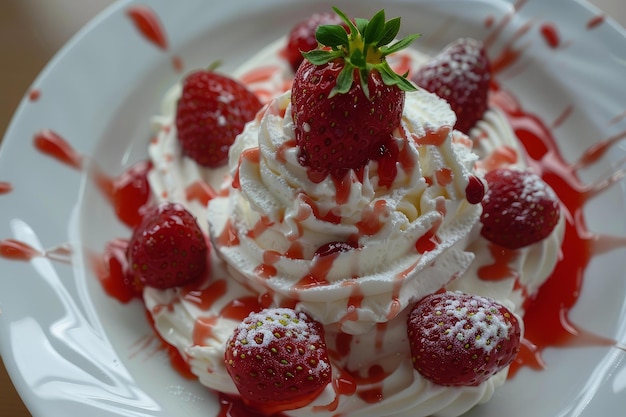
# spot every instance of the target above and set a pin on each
(72, 351)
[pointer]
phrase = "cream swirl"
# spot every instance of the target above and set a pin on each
(408, 233)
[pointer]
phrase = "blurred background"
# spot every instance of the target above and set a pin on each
(31, 32)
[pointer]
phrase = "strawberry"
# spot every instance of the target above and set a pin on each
(278, 360)
(459, 74)
(519, 208)
(301, 38)
(332, 248)
(461, 339)
(346, 100)
(212, 110)
(131, 190)
(475, 190)
(167, 249)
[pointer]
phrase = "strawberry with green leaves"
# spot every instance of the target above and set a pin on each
(346, 100)
(278, 360)
(461, 339)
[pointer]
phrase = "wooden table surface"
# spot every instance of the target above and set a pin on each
(31, 31)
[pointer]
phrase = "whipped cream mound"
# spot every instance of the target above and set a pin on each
(280, 218)
(267, 220)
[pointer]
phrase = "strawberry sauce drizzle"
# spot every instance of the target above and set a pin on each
(547, 322)
(129, 194)
(177, 361)
(206, 297)
(148, 24)
(5, 187)
(200, 191)
(18, 251)
(509, 55)
(596, 21)
(318, 274)
(252, 155)
(203, 330)
(267, 268)
(229, 236)
(240, 308)
(112, 270)
(52, 144)
(231, 406)
(550, 35)
(500, 268)
(371, 218)
(34, 94)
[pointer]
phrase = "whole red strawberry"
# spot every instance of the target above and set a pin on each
(167, 249)
(519, 208)
(461, 339)
(459, 74)
(278, 360)
(346, 100)
(212, 110)
(301, 38)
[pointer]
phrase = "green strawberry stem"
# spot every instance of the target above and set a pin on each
(363, 49)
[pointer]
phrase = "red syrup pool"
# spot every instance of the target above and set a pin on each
(546, 318)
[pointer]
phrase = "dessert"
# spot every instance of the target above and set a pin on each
(354, 237)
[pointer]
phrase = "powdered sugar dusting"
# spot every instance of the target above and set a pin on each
(278, 356)
(534, 189)
(259, 328)
(477, 322)
(473, 320)
(528, 194)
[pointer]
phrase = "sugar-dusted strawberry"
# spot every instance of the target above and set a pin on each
(301, 38)
(346, 100)
(167, 249)
(212, 110)
(460, 74)
(519, 208)
(460, 339)
(278, 360)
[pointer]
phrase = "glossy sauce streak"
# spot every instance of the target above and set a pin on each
(5, 187)
(551, 35)
(34, 94)
(17, 251)
(129, 193)
(596, 21)
(547, 322)
(112, 270)
(148, 24)
(20, 251)
(52, 144)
